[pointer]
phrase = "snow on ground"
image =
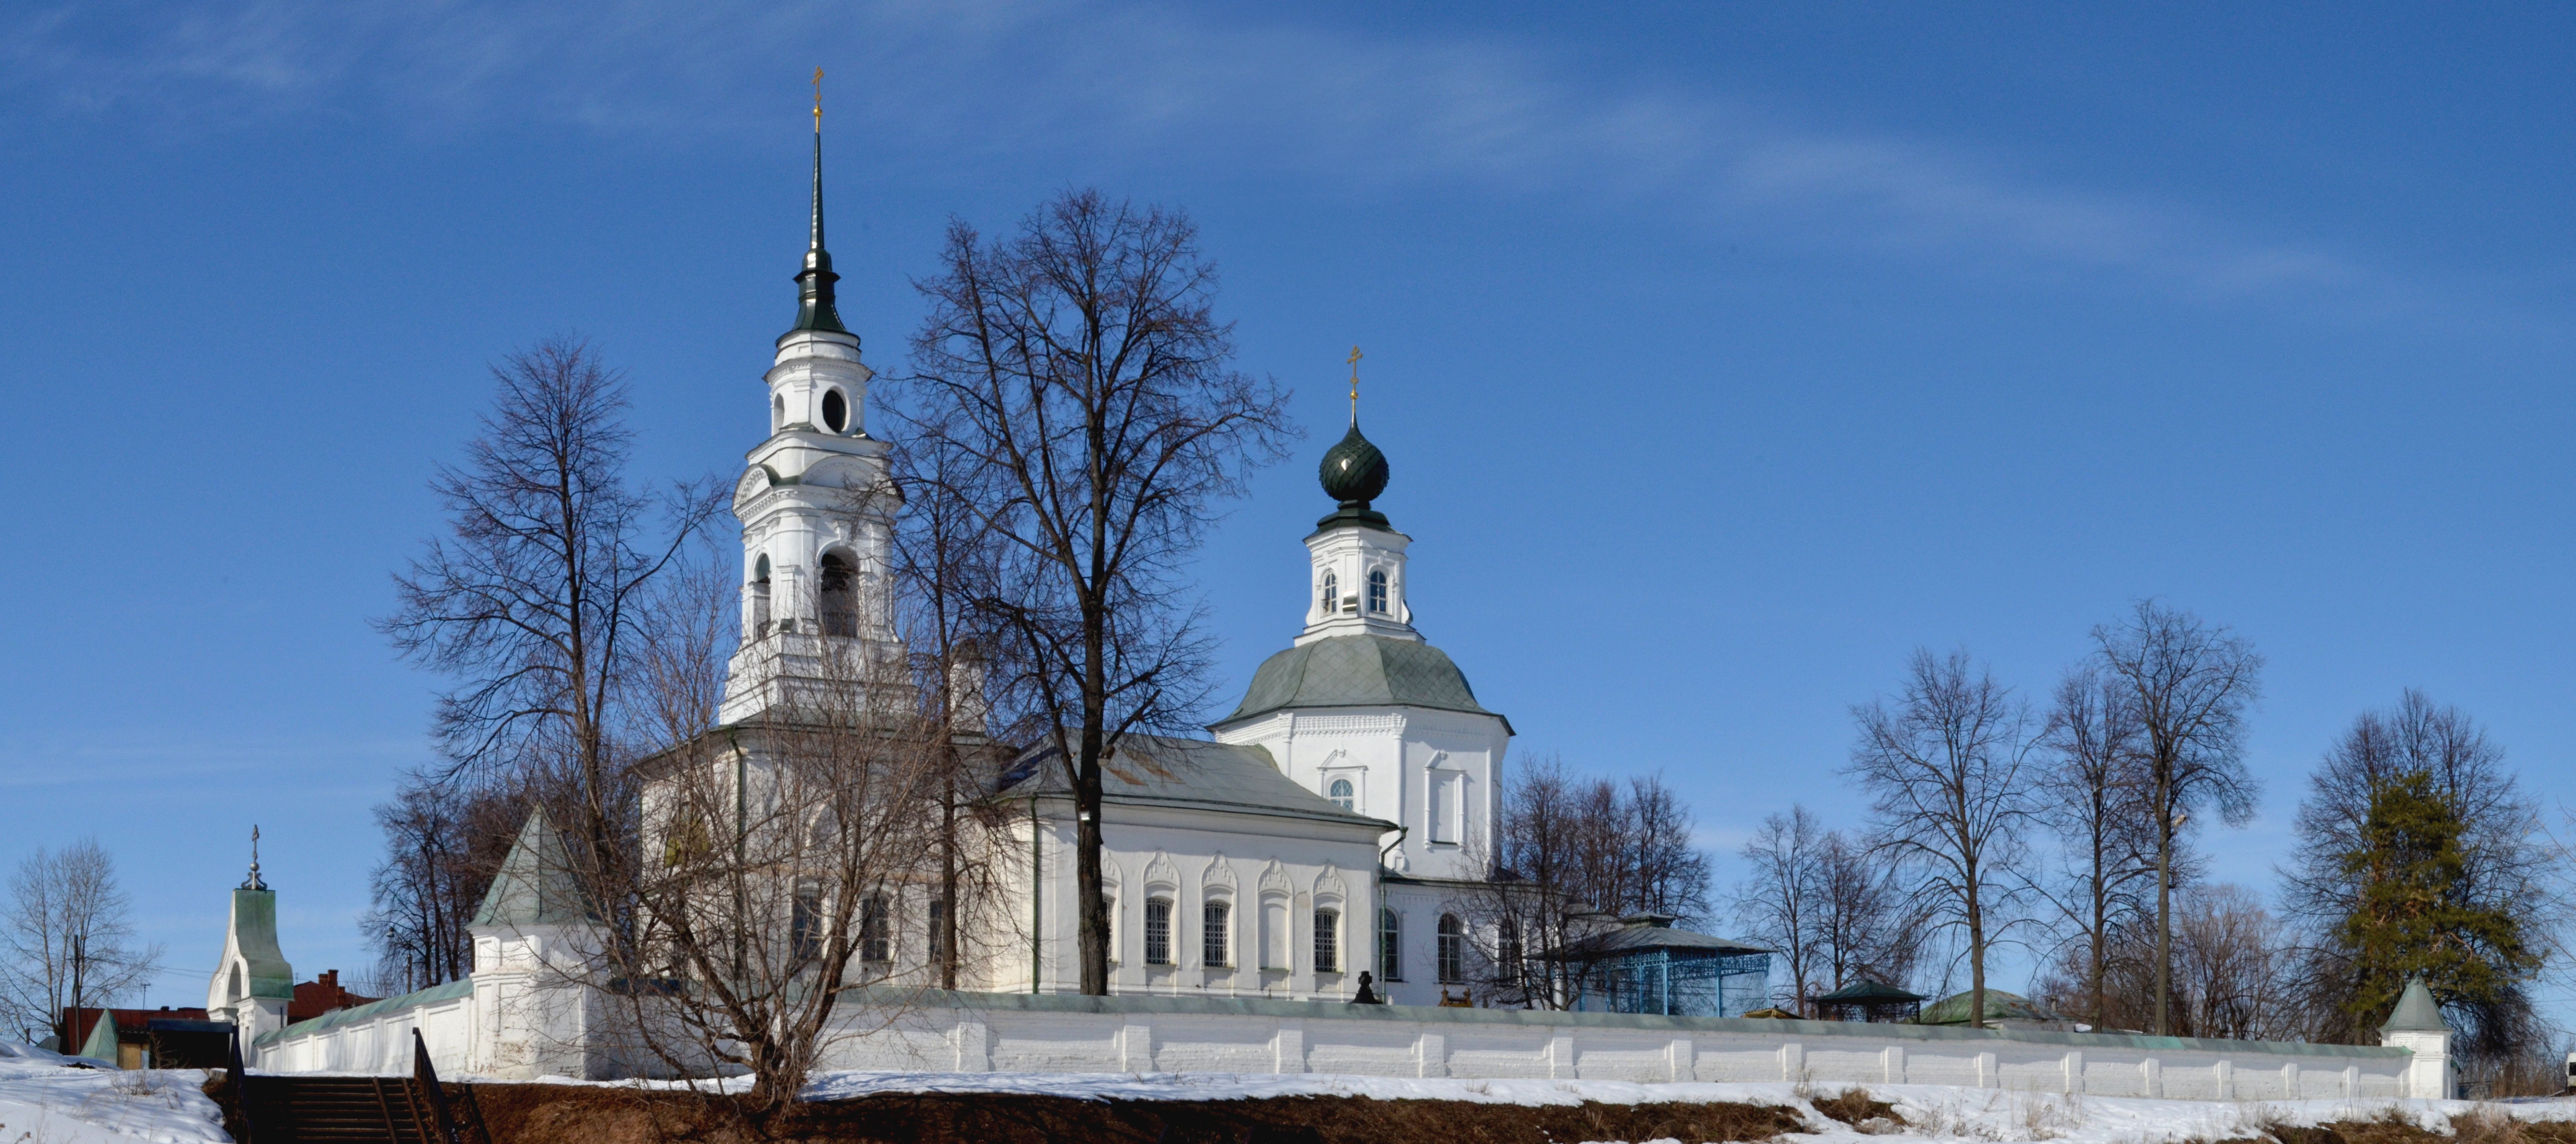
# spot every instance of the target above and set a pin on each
(45, 1098)
(1930, 1112)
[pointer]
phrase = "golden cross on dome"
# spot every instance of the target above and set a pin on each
(818, 100)
(1355, 385)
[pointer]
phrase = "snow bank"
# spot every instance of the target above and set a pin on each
(46, 1098)
(1934, 1112)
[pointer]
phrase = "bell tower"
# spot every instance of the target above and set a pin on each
(817, 515)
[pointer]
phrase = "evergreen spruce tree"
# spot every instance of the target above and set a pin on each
(2416, 911)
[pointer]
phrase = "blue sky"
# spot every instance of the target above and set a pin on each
(1724, 352)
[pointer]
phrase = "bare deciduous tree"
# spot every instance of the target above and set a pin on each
(1570, 855)
(1775, 903)
(2095, 797)
(1861, 915)
(1077, 381)
(2188, 686)
(1946, 767)
(2234, 972)
(66, 940)
(443, 841)
(1829, 904)
(531, 602)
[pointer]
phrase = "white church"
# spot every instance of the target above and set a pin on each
(1328, 829)
(1317, 836)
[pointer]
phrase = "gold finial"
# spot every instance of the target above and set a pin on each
(818, 101)
(1355, 385)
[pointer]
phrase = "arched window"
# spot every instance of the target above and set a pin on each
(1377, 590)
(777, 414)
(1328, 941)
(805, 922)
(836, 410)
(687, 840)
(759, 625)
(1453, 949)
(1158, 931)
(1390, 946)
(238, 992)
(876, 929)
(840, 596)
(1342, 794)
(1332, 592)
(1215, 951)
(1507, 948)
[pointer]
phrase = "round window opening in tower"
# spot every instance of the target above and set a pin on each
(836, 411)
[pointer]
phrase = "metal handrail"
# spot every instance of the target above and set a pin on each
(425, 1076)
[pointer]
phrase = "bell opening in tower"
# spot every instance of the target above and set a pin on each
(840, 596)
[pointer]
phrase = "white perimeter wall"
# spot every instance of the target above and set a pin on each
(1000, 1032)
(379, 1044)
(1044, 1033)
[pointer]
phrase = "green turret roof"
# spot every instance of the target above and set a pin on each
(255, 938)
(1358, 671)
(815, 306)
(535, 885)
(2416, 1011)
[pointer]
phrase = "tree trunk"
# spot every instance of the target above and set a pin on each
(2164, 900)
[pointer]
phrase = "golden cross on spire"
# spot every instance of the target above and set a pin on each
(1355, 385)
(818, 101)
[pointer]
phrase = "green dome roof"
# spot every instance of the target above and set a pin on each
(1353, 472)
(1358, 671)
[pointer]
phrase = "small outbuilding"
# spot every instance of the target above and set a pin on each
(1644, 965)
(1870, 1001)
(2003, 1011)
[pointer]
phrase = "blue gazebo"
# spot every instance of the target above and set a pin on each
(1647, 966)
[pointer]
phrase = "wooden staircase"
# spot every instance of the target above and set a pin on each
(272, 1109)
(338, 1110)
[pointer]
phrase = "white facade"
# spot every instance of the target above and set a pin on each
(1274, 880)
(817, 533)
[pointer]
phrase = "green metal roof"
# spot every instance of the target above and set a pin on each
(1358, 671)
(1871, 993)
(535, 885)
(1190, 773)
(255, 936)
(2416, 1011)
(461, 987)
(2000, 1006)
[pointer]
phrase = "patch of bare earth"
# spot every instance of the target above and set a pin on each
(566, 1114)
(2474, 1127)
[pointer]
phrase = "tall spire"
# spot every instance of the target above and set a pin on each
(814, 303)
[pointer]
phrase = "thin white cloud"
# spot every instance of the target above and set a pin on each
(1077, 85)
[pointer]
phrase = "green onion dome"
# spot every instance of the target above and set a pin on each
(1353, 472)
